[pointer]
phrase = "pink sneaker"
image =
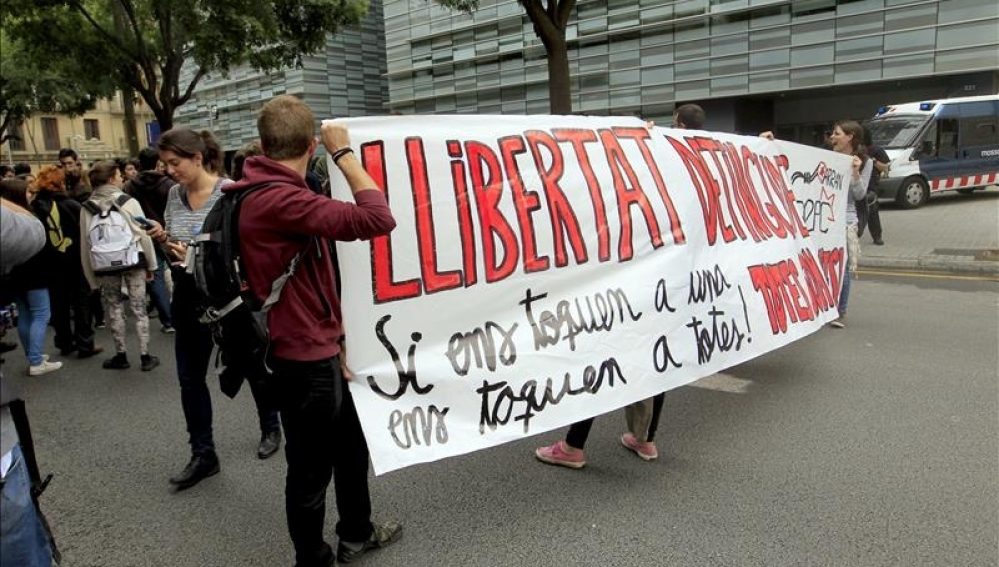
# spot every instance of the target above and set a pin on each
(561, 455)
(646, 450)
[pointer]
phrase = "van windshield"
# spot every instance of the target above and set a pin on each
(895, 131)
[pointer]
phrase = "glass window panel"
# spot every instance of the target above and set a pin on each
(626, 97)
(771, 81)
(860, 48)
(590, 64)
(960, 10)
(658, 37)
(907, 42)
(968, 33)
(657, 75)
(858, 25)
(986, 57)
(813, 55)
(657, 93)
(911, 16)
(802, 34)
(770, 15)
(730, 65)
(627, 78)
(858, 71)
(656, 55)
(693, 90)
(730, 85)
(764, 39)
(591, 82)
(729, 45)
(813, 77)
(855, 6)
(594, 102)
(773, 59)
(688, 70)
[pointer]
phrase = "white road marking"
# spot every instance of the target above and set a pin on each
(722, 382)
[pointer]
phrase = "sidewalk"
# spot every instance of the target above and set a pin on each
(950, 233)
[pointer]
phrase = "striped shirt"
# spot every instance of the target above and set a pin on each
(183, 223)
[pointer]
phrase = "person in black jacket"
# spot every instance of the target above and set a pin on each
(69, 293)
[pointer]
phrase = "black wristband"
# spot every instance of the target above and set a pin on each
(339, 154)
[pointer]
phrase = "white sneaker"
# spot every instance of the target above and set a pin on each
(44, 368)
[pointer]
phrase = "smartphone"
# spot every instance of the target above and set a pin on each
(146, 223)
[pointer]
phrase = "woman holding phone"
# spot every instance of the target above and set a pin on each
(193, 159)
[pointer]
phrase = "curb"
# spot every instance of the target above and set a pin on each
(949, 264)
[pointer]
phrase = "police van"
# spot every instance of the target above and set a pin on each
(937, 145)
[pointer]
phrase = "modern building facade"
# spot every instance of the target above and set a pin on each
(346, 79)
(752, 64)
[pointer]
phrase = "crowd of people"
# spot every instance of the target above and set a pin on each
(165, 195)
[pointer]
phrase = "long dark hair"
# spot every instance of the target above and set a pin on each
(854, 129)
(186, 143)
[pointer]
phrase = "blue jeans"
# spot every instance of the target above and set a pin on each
(844, 292)
(34, 312)
(23, 541)
(158, 295)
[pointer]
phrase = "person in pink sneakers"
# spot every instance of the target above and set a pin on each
(642, 416)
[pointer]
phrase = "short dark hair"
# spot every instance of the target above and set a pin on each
(247, 151)
(21, 168)
(690, 116)
(68, 152)
(15, 191)
(4, 169)
(148, 158)
(102, 172)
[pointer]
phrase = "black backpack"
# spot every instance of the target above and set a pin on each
(237, 319)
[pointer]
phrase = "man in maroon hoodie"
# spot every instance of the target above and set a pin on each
(323, 434)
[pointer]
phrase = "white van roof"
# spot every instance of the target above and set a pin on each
(930, 106)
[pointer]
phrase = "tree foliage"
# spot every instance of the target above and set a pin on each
(26, 89)
(550, 18)
(143, 44)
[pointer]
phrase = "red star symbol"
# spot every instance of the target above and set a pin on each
(831, 199)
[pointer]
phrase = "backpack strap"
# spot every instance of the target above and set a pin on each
(92, 206)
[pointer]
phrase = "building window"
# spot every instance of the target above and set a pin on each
(15, 135)
(50, 133)
(91, 129)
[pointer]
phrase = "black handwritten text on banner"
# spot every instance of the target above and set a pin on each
(548, 269)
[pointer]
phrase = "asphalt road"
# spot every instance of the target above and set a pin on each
(874, 445)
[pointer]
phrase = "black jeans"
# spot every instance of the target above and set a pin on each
(71, 313)
(323, 441)
(868, 215)
(193, 350)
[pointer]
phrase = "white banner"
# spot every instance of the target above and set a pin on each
(546, 269)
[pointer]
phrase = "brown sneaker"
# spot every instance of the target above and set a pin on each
(381, 536)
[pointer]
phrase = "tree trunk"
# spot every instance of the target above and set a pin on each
(559, 81)
(131, 138)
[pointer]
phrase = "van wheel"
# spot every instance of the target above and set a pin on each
(913, 193)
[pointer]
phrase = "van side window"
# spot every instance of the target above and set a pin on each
(979, 132)
(947, 131)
